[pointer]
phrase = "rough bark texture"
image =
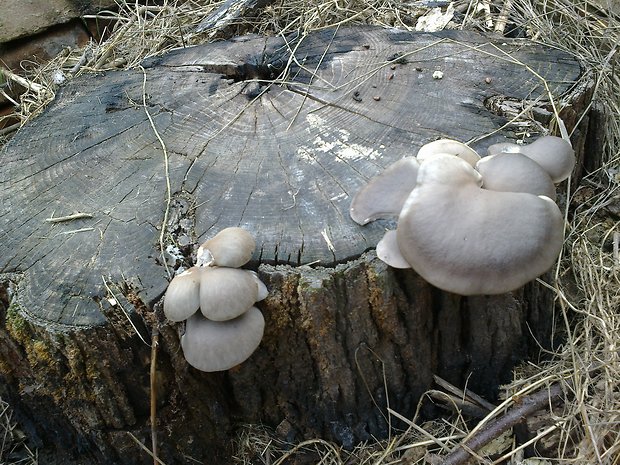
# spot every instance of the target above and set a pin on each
(340, 344)
(281, 159)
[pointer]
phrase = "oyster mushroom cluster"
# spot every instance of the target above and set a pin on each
(228, 327)
(471, 225)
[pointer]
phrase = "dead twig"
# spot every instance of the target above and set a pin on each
(524, 407)
(62, 219)
(164, 149)
(467, 395)
(153, 380)
(118, 302)
(145, 449)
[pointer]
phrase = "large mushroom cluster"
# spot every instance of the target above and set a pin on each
(467, 224)
(228, 327)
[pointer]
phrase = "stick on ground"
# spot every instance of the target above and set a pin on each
(523, 408)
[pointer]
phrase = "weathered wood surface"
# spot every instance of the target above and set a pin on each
(281, 159)
(228, 15)
(284, 165)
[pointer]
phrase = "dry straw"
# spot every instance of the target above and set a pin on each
(13, 448)
(585, 427)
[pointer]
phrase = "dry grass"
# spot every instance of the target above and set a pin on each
(586, 428)
(13, 450)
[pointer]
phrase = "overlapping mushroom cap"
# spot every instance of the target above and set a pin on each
(182, 297)
(450, 147)
(553, 153)
(228, 328)
(470, 231)
(226, 293)
(220, 345)
(231, 247)
(389, 251)
(468, 240)
(515, 172)
(386, 193)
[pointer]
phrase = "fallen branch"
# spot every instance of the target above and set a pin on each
(153, 379)
(523, 407)
(467, 401)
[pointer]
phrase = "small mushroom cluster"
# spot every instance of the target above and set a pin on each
(228, 327)
(471, 225)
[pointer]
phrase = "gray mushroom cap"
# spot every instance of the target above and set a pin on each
(263, 292)
(220, 345)
(385, 194)
(231, 247)
(226, 293)
(182, 297)
(515, 172)
(450, 147)
(553, 153)
(389, 252)
(482, 242)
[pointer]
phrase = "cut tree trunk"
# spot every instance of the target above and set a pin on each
(274, 135)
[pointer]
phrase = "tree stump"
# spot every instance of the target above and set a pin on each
(274, 135)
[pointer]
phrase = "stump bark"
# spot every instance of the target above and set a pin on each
(274, 135)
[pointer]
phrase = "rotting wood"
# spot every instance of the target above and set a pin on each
(230, 13)
(276, 143)
(243, 158)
